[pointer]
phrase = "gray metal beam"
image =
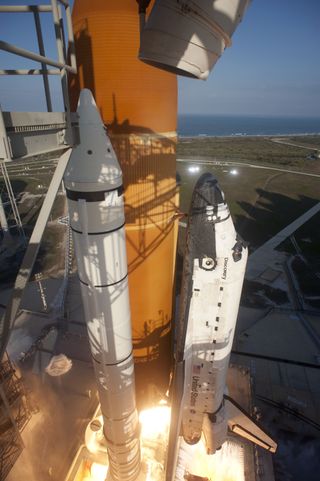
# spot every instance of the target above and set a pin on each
(8, 408)
(24, 8)
(62, 33)
(12, 199)
(13, 306)
(64, 2)
(3, 218)
(42, 52)
(8, 47)
(63, 74)
(61, 56)
(5, 156)
(5, 150)
(30, 72)
(72, 51)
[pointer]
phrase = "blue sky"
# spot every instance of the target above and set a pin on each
(272, 68)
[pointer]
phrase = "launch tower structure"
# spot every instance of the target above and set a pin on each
(25, 134)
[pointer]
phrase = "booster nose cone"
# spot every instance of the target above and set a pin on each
(93, 164)
(87, 109)
(207, 192)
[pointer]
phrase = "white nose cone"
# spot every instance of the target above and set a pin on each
(93, 163)
(87, 109)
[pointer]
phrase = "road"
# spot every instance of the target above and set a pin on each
(246, 164)
(285, 142)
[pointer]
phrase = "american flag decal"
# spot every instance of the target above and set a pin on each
(196, 369)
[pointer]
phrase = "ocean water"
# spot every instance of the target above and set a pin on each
(224, 125)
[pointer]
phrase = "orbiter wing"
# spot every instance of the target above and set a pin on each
(242, 424)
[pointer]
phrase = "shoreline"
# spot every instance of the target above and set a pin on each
(246, 136)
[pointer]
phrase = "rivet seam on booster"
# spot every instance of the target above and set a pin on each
(130, 439)
(105, 285)
(120, 419)
(113, 363)
(92, 196)
(98, 233)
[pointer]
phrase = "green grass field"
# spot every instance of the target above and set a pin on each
(262, 202)
(261, 150)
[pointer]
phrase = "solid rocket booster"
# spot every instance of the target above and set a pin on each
(93, 182)
(139, 105)
(213, 273)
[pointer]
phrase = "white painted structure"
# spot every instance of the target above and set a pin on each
(188, 37)
(213, 273)
(3, 219)
(217, 276)
(93, 182)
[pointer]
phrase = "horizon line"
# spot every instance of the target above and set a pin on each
(283, 116)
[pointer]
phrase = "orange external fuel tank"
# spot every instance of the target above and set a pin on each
(138, 103)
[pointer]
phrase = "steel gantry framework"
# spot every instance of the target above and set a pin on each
(62, 67)
(52, 131)
(24, 134)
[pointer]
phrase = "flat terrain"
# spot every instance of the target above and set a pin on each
(270, 151)
(261, 201)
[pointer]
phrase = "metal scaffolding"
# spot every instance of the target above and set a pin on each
(62, 67)
(5, 155)
(52, 131)
(14, 414)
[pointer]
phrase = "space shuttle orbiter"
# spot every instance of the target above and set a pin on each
(213, 273)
